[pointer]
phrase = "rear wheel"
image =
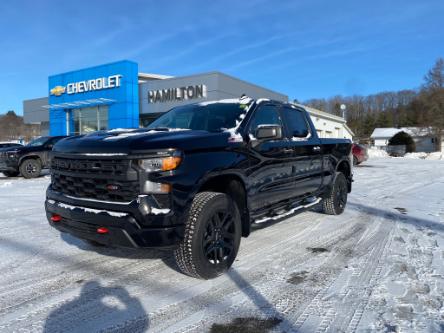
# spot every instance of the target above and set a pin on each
(355, 160)
(31, 168)
(336, 201)
(11, 173)
(212, 236)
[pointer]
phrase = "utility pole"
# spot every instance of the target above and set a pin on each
(344, 113)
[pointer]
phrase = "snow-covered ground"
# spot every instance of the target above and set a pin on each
(377, 267)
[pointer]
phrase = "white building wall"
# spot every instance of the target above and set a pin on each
(329, 128)
(423, 144)
(381, 142)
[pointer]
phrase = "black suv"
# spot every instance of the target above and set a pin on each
(9, 145)
(196, 179)
(28, 160)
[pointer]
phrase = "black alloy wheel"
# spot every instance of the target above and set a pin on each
(213, 231)
(336, 201)
(341, 195)
(30, 168)
(218, 240)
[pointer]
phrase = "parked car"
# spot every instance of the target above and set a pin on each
(28, 160)
(360, 154)
(9, 145)
(196, 179)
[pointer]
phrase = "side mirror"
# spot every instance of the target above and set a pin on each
(50, 146)
(268, 132)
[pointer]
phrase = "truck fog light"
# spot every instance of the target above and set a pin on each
(151, 187)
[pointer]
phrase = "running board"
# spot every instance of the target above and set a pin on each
(288, 212)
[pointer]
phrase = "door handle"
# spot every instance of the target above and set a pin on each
(316, 148)
(287, 150)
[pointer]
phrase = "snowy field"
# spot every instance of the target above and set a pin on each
(378, 267)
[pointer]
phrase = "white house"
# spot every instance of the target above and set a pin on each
(425, 141)
(328, 125)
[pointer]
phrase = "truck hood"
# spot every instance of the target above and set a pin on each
(20, 149)
(133, 141)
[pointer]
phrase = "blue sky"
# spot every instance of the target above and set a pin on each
(304, 49)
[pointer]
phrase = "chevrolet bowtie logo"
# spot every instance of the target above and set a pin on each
(57, 91)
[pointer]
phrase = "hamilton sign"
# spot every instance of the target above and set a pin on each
(112, 81)
(177, 94)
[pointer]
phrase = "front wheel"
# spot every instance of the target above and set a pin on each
(31, 168)
(336, 201)
(212, 236)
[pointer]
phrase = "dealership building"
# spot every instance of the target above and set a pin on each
(117, 95)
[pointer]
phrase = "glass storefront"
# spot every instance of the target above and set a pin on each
(91, 119)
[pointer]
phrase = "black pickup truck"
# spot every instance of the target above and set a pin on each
(196, 179)
(28, 160)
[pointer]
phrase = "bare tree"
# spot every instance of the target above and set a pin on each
(13, 128)
(434, 79)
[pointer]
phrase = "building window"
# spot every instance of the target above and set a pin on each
(87, 120)
(337, 132)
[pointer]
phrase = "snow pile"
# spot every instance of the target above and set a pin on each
(375, 152)
(420, 156)
(435, 156)
(425, 156)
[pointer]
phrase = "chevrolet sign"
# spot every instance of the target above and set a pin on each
(101, 83)
(57, 91)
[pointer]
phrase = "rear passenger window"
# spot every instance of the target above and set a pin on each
(265, 115)
(296, 123)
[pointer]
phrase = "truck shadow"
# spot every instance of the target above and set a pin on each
(166, 255)
(369, 166)
(99, 308)
(397, 217)
(273, 318)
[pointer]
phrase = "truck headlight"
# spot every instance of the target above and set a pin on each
(12, 153)
(160, 164)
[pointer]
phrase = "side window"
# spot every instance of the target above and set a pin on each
(297, 126)
(265, 115)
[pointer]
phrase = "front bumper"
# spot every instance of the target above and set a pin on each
(8, 164)
(130, 224)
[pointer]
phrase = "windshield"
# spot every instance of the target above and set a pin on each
(38, 142)
(213, 117)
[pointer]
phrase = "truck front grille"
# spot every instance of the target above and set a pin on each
(108, 180)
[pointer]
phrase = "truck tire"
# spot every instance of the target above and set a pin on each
(11, 173)
(212, 236)
(355, 160)
(30, 168)
(336, 201)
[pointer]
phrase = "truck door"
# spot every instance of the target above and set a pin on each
(307, 155)
(270, 168)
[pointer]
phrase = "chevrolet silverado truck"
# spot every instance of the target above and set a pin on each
(28, 160)
(196, 179)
